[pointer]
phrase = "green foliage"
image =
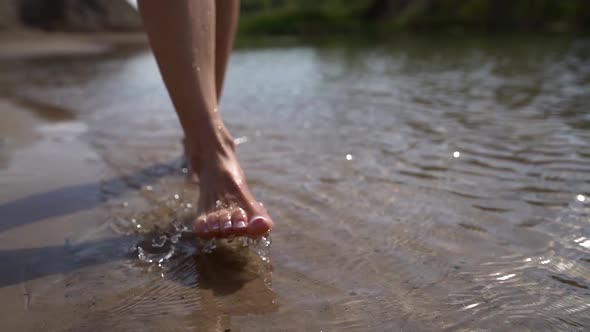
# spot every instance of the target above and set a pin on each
(298, 21)
(289, 17)
(302, 17)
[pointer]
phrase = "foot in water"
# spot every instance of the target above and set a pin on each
(226, 206)
(191, 175)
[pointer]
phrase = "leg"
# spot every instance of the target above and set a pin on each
(226, 23)
(182, 36)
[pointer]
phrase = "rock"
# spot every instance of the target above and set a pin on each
(70, 15)
(9, 15)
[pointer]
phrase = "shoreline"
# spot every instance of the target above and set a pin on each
(34, 43)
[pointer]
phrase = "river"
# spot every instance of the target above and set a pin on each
(416, 184)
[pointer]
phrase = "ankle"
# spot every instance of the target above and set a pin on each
(209, 145)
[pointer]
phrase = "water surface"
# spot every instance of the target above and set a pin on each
(416, 184)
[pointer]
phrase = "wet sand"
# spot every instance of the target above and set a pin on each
(62, 230)
(50, 194)
(440, 189)
(58, 242)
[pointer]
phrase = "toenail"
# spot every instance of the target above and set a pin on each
(241, 224)
(257, 220)
(227, 225)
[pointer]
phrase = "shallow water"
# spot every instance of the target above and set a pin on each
(416, 185)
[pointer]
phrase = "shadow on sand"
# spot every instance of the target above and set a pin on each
(224, 271)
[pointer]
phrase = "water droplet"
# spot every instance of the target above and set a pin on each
(581, 198)
(125, 204)
(176, 196)
(456, 154)
(189, 205)
(349, 157)
(184, 170)
(138, 226)
(241, 140)
(149, 188)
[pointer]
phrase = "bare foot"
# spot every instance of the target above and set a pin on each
(191, 175)
(226, 206)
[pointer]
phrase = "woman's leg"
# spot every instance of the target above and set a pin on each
(182, 35)
(226, 23)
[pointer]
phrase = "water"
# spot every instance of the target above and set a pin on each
(416, 184)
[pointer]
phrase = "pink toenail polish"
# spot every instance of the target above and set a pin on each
(227, 225)
(241, 224)
(257, 220)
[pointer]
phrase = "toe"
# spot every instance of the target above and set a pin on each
(238, 219)
(259, 225)
(213, 224)
(259, 221)
(200, 227)
(225, 223)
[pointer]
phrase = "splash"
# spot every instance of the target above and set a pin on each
(160, 247)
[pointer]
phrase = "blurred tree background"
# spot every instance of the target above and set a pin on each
(481, 16)
(313, 17)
